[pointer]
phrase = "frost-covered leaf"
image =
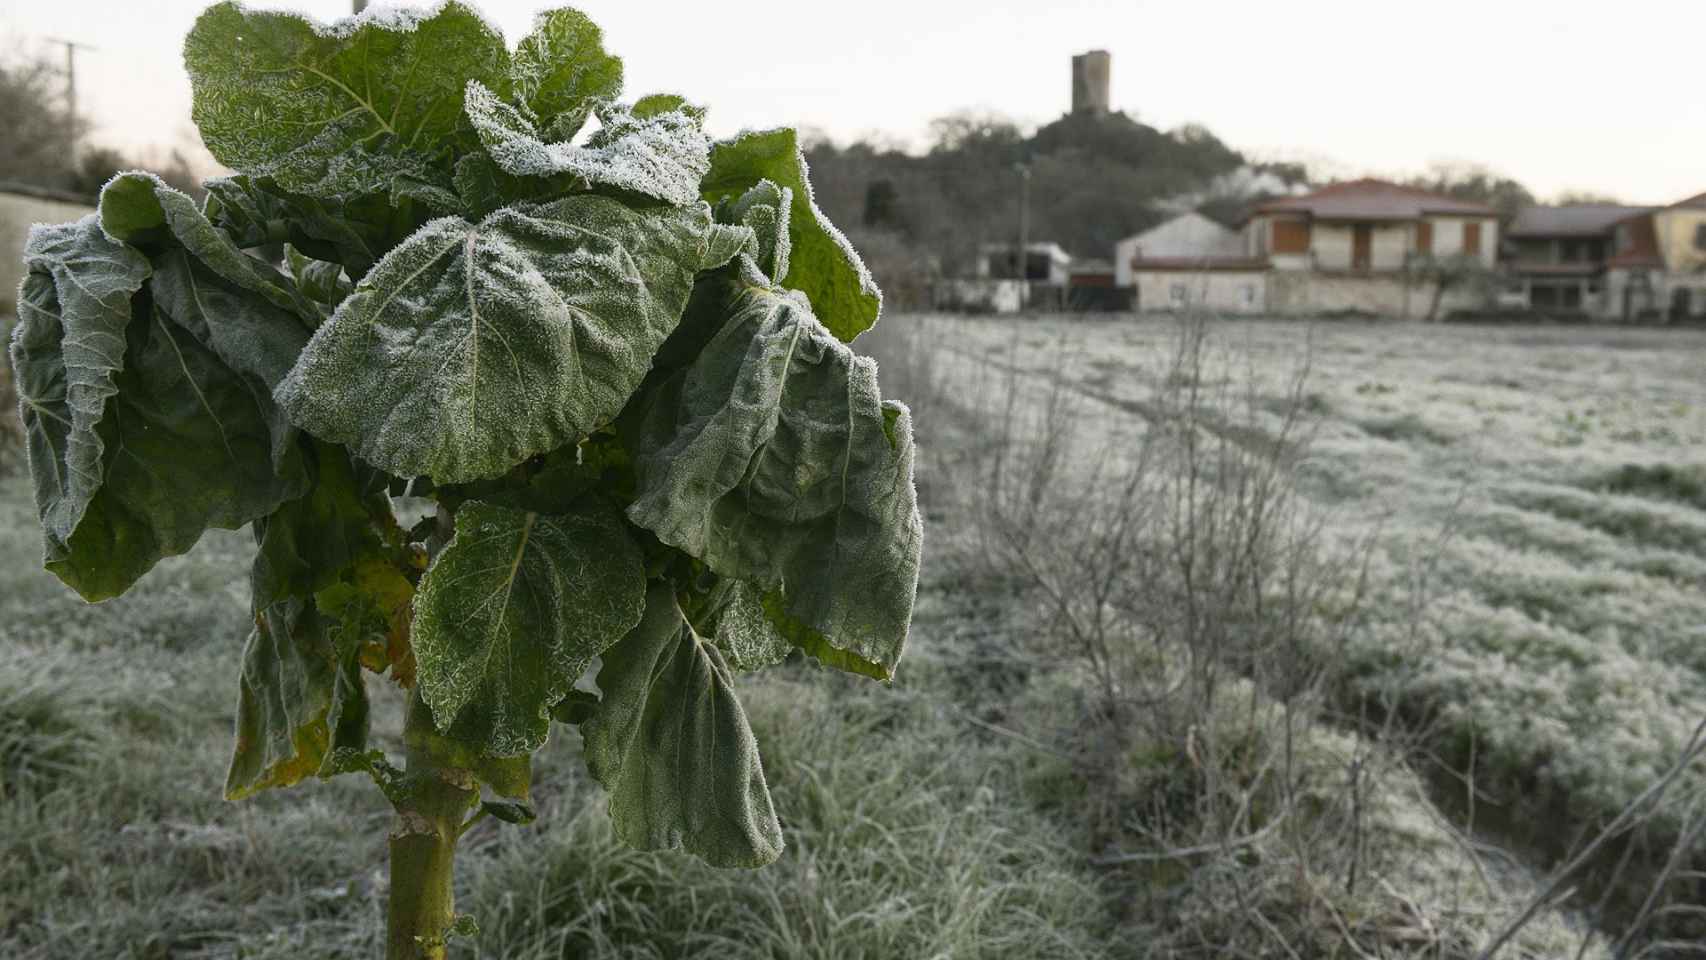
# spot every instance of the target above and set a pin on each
(285, 701)
(339, 109)
(253, 213)
(141, 437)
(472, 347)
(741, 629)
(141, 210)
(73, 309)
(655, 104)
(320, 280)
(663, 156)
(513, 611)
(772, 458)
(821, 264)
(765, 210)
(301, 694)
(560, 72)
(671, 745)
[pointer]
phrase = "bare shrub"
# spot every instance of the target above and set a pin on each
(1198, 611)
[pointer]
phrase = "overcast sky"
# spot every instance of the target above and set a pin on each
(1560, 94)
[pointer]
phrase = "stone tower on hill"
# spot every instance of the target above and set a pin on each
(1090, 82)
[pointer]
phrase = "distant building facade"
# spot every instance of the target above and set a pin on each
(1366, 246)
(1609, 261)
(1558, 259)
(1191, 261)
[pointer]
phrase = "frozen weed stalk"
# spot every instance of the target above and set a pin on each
(618, 366)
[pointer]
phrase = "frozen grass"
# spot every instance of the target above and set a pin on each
(910, 832)
(1561, 643)
(1536, 498)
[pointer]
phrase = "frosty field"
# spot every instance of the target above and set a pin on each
(1536, 498)
(1530, 509)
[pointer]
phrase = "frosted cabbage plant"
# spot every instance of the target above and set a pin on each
(616, 363)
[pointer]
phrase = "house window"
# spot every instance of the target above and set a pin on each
(1424, 237)
(1291, 236)
(1249, 294)
(1472, 239)
(1700, 236)
(1177, 294)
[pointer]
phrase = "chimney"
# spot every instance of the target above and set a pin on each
(1090, 82)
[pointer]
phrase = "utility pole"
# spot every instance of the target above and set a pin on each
(71, 48)
(1023, 257)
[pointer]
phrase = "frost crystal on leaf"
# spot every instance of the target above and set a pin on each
(772, 458)
(663, 156)
(822, 263)
(472, 347)
(513, 612)
(672, 745)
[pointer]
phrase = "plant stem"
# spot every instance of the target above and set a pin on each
(435, 798)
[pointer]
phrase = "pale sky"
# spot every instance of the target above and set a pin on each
(1560, 94)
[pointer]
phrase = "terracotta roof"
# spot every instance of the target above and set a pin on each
(1198, 263)
(1571, 220)
(1369, 199)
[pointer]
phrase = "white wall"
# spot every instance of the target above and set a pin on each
(1332, 244)
(1219, 291)
(1187, 235)
(16, 215)
(1448, 237)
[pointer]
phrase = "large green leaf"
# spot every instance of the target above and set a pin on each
(340, 109)
(766, 210)
(472, 347)
(772, 458)
(513, 611)
(663, 156)
(353, 233)
(285, 699)
(822, 264)
(67, 350)
(560, 72)
(736, 621)
(301, 695)
(671, 744)
(142, 211)
(141, 436)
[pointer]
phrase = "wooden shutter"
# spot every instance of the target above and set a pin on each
(1472, 238)
(1291, 236)
(1424, 237)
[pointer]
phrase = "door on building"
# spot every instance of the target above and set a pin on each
(1678, 304)
(1362, 244)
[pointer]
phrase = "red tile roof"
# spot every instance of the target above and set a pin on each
(1369, 199)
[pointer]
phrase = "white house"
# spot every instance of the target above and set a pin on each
(1191, 262)
(1189, 236)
